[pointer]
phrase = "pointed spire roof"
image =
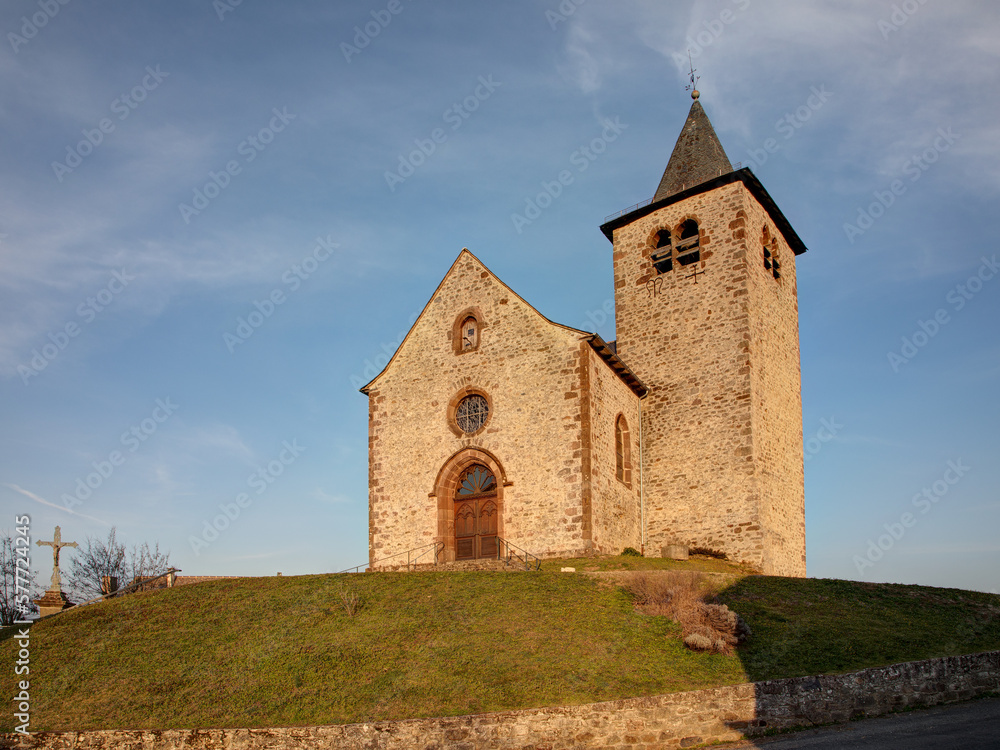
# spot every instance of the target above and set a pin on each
(698, 155)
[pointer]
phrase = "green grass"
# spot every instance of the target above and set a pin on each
(282, 651)
(810, 626)
(622, 562)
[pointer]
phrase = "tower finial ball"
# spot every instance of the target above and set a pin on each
(695, 94)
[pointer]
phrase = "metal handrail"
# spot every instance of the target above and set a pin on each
(438, 548)
(628, 210)
(525, 556)
(736, 167)
(136, 584)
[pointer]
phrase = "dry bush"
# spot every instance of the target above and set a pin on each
(698, 642)
(350, 601)
(681, 597)
(707, 552)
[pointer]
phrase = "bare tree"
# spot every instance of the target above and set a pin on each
(12, 606)
(98, 559)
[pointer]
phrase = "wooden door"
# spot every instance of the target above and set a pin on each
(487, 530)
(476, 515)
(465, 530)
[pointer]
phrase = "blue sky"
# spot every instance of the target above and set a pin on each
(169, 166)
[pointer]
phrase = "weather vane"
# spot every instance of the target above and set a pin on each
(694, 79)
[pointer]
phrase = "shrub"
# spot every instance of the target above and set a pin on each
(631, 552)
(706, 552)
(681, 597)
(350, 601)
(698, 642)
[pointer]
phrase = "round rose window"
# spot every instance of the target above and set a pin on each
(471, 414)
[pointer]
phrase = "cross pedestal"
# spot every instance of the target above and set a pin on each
(54, 599)
(52, 602)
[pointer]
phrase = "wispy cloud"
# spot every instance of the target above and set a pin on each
(43, 501)
(955, 549)
(259, 556)
(329, 499)
(214, 439)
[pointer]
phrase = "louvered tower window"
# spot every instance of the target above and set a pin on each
(663, 251)
(688, 248)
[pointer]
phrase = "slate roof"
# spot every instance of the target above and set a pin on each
(698, 156)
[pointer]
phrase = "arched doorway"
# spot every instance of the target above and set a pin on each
(470, 505)
(476, 514)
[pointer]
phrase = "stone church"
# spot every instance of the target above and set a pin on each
(492, 424)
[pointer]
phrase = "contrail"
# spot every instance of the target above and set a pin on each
(43, 501)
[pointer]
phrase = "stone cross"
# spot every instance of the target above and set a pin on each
(56, 544)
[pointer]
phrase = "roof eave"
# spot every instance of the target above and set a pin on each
(744, 175)
(615, 362)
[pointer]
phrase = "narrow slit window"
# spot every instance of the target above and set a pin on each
(772, 264)
(623, 452)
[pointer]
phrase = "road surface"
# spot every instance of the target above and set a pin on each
(969, 726)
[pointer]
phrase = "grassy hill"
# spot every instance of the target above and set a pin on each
(286, 651)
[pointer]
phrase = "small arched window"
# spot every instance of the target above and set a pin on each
(467, 330)
(623, 452)
(470, 334)
(663, 251)
(689, 244)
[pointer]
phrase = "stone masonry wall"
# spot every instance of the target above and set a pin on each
(530, 371)
(776, 388)
(653, 723)
(614, 504)
(688, 340)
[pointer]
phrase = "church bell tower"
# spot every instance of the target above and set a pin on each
(707, 317)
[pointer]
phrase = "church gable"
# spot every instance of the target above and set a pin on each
(484, 383)
(470, 298)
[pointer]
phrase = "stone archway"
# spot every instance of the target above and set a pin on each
(481, 507)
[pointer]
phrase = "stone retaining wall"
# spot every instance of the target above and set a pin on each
(665, 721)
